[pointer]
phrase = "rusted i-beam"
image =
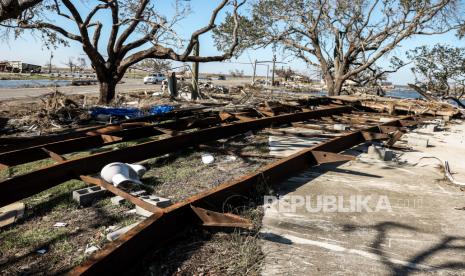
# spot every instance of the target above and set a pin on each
(28, 184)
(158, 230)
(34, 153)
(16, 143)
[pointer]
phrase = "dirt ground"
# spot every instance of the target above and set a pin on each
(34, 246)
(175, 176)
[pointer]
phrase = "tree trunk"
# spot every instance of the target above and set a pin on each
(338, 86)
(107, 92)
(334, 85)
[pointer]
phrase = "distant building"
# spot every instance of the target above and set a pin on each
(19, 67)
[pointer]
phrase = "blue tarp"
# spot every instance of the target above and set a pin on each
(130, 112)
(127, 112)
(161, 109)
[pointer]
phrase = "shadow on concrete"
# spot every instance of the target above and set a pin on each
(416, 263)
(275, 238)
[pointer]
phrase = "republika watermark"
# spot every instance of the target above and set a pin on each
(333, 203)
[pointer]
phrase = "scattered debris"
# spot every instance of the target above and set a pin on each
(91, 249)
(60, 224)
(41, 251)
(380, 153)
(207, 158)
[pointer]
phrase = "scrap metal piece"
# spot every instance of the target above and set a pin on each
(394, 138)
(225, 116)
(110, 138)
(389, 129)
(408, 123)
(55, 156)
(211, 218)
(369, 136)
(324, 157)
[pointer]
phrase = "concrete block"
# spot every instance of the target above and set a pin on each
(11, 213)
(117, 200)
(340, 127)
(430, 128)
(388, 155)
(381, 153)
(154, 200)
(417, 141)
(86, 196)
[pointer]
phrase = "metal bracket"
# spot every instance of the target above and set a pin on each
(394, 138)
(210, 218)
(55, 156)
(388, 129)
(408, 123)
(110, 138)
(323, 157)
(369, 136)
(225, 116)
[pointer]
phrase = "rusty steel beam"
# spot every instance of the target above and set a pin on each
(25, 155)
(15, 143)
(158, 230)
(108, 186)
(28, 184)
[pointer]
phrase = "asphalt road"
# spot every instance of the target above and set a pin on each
(128, 85)
(21, 93)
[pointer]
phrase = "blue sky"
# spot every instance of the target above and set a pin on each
(30, 49)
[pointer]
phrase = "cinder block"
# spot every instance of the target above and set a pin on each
(117, 200)
(86, 196)
(417, 141)
(154, 200)
(340, 127)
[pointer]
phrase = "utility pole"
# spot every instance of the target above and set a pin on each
(274, 67)
(195, 73)
(254, 71)
(50, 64)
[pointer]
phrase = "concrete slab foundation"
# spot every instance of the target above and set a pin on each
(369, 217)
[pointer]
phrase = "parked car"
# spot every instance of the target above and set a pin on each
(221, 77)
(154, 78)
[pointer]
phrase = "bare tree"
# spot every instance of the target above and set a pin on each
(12, 9)
(137, 31)
(285, 73)
(341, 37)
(439, 72)
(81, 63)
(70, 63)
